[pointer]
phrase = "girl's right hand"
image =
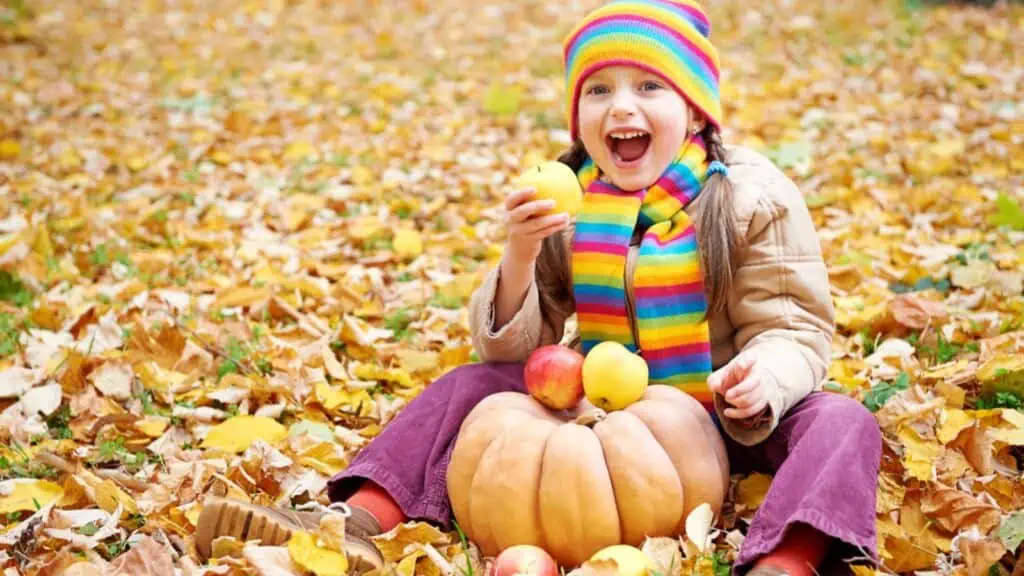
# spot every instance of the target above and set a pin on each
(528, 226)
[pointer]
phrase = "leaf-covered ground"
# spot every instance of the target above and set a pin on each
(237, 237)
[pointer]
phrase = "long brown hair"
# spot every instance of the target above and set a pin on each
(717, 237)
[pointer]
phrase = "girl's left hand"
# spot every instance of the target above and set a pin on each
(742, 384)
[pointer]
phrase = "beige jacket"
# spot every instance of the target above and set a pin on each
(780, 307)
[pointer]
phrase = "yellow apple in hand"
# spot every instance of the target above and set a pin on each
(613, 377)
(629, 561)
(553, 181)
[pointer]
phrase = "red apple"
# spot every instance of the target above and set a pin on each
(554, 376)
(524, 560)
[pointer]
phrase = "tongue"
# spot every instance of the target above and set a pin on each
(632, 148)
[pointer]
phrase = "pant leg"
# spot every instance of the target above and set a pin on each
(825, 455)
(409, 458)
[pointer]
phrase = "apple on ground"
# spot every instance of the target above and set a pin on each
(553, 180)
(524, 560)
(614, 377)
(553, 375)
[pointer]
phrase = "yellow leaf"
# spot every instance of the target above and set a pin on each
(326, 458)
(407, 567)
(365, 227)
(154, 377)
(104, 493)
(951, 423)
(151, 428)
(1011, 437)
(27, 495)
(136, 162)
(333, 398)
(752, 490)
(299, 150)
(321, 561)
(847, 372)
(9, 149)
(361, 175)
(407, 244)
(239, 296)
(238, 433)
(919, 454)
(394, 543)
(221, 157)
(906, 555)
(374, 372)
(890, 493)
(414, 361)
(502, 100)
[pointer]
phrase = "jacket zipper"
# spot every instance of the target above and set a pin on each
(630, 311)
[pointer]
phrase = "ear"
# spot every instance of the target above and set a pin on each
(697, 121)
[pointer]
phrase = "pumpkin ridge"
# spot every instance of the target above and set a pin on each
(611, 480)
(484, 532)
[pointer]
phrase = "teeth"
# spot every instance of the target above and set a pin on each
(627, 135)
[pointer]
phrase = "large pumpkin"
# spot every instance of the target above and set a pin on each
(573, 483)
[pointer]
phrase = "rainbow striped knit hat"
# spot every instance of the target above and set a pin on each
(665, 37)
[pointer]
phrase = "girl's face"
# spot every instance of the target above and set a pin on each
(632, 124)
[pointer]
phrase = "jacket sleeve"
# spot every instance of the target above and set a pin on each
(781, 306)
(517, 338)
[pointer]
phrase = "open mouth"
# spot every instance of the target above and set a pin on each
(628, 147)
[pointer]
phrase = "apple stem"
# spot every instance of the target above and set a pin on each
(591, 417)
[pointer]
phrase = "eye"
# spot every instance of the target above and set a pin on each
(649, 85)
(597, 89)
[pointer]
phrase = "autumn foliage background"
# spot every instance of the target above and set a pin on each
(236, 238)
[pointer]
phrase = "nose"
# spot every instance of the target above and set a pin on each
(622, 106)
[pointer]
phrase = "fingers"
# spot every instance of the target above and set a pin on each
(544, 225)
(729, 375)
(528, 210)
(744, 387)
(519, 197)
(747, 405)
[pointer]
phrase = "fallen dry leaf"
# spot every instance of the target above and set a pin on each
(956, 510)
(145, 558)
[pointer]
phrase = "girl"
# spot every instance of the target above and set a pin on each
(702, 259)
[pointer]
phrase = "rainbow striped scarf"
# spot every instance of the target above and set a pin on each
(668, 287)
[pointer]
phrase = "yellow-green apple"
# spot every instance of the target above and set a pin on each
(554, 376)
(613, 377)
(524, 560)
(629, 561)
(553, 181)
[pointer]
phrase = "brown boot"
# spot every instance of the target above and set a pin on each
(274, 526)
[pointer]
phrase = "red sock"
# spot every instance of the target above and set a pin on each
(377, 501)
(801, 551)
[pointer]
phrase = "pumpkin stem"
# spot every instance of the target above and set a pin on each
(591, 417)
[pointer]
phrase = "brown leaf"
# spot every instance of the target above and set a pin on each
(147, 558)
(914, 312)
(980, 555)
(955, 510)
(976, 445)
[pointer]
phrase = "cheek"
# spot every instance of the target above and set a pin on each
(590, 130)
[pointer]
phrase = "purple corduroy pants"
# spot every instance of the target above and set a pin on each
(824, 457)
